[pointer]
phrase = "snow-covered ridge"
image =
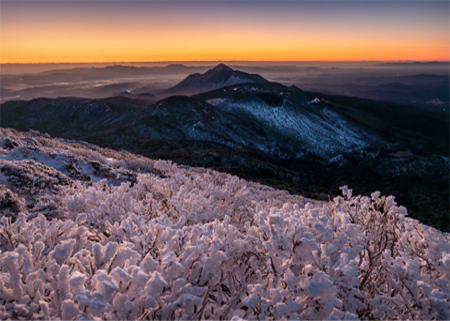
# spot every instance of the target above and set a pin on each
(87, 232)
(323, 132)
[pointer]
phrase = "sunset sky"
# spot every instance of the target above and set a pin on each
(118, 31)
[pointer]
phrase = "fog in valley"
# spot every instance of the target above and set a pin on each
(423, 85)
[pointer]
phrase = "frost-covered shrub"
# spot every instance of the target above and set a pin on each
(191, 243)
(10, 203)
(27, 176)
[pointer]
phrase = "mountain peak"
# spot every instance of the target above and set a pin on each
(217, 77)
(222, 67)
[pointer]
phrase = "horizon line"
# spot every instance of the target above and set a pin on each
(209, 61)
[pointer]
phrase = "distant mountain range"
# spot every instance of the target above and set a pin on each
(218, 77)
(93, 82)
(310, 124)
(415, 63)
(251, 114)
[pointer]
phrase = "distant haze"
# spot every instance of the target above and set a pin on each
(421, 84)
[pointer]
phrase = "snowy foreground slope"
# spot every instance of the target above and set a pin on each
(87, 232)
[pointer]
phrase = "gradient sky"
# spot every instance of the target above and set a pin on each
(114, 31)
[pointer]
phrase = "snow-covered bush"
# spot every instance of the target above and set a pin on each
(10, 203)
(170, 242)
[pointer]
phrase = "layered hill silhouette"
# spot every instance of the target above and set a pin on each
(267, 118)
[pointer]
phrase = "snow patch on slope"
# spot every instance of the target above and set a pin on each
(323, 131)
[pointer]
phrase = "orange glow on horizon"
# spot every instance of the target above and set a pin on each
(46, 47)
(94, 38)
